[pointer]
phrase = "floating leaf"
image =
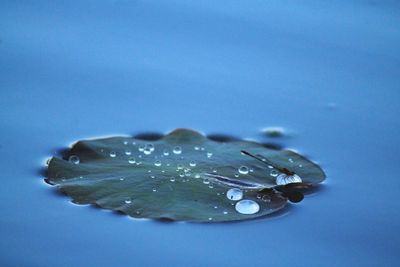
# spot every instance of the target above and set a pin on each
(181, 176)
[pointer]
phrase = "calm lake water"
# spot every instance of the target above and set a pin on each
(328, 73)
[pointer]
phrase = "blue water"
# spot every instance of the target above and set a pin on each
(329, 73)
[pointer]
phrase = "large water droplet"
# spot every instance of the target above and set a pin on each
(243, 170)
(74, 159)
(283, 179)
(247, 206)
(157, 163)
(113, 154)
(234, 194)
(177, 150)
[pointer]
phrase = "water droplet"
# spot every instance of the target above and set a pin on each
(210, 219)
(125, 142)
(247, 206)
(182, 174)
(179, 166)
(131, 160)
(147, 151)
(243, 170)
(113, 154)
(234, 194)
(211, 186)
(300, 166)
(172, 179)
(196, 148)
(236, 175)
(266, 198)
(192, 163)
(215, 207)
(290, 160)
(206, 181)
(128, 201)
(283, 179)
(154, 190)
(225, 212)
(121, 179)
(214, 171)
(141, 148)
(197, 176)
(74, 159)
(150, 147)
(202, 149)
(273, 173)
(177, 150)
(209, 154)
(166, 152)
(157, 163)
(128, 152)
(270, 167)
(152, 176)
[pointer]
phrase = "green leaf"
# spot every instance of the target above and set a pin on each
(182, 176)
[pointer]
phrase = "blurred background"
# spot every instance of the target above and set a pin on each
(328, 73)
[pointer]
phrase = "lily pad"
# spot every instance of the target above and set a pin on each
(182, 176)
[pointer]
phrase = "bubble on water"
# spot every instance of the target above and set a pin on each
(247, 206)
(192, 163)
(74, 159)
(131, 160)
(141, 147)
(177, 150)
(157, 163)
(209, 154)
(128, 152)
(234, 194)
(206, 181)
(128, 201)
(284, 179)
(172, 179)
(113, 154)
(273, 173)
(243, 170)
(166, 152)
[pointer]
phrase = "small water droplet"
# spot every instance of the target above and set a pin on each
(211, 186)
(206, 181)
(131, 160)
(243, 170)
(141, 147)
(225, 212)
(177, 150)
(128, 152)
(172, 179)
(154, 190)
(236, 175)
(197, 176)
(215, 207)
(121, 179)
(270, 167)
(182, 174)
(152, 176)
(290, 160)
(196, 148)
(209, 154)
(192, 163)
(179, 166)
(300, 166)
(266, 198)
(273, 173)
(214, 171)
(157, 163)
(247, 206)
(147, 151)
(166, 152)
(128, 201)
(150, 147)
(234, 194)
(74, 159)
(113, 154)
(125, 142)
(210, 219)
